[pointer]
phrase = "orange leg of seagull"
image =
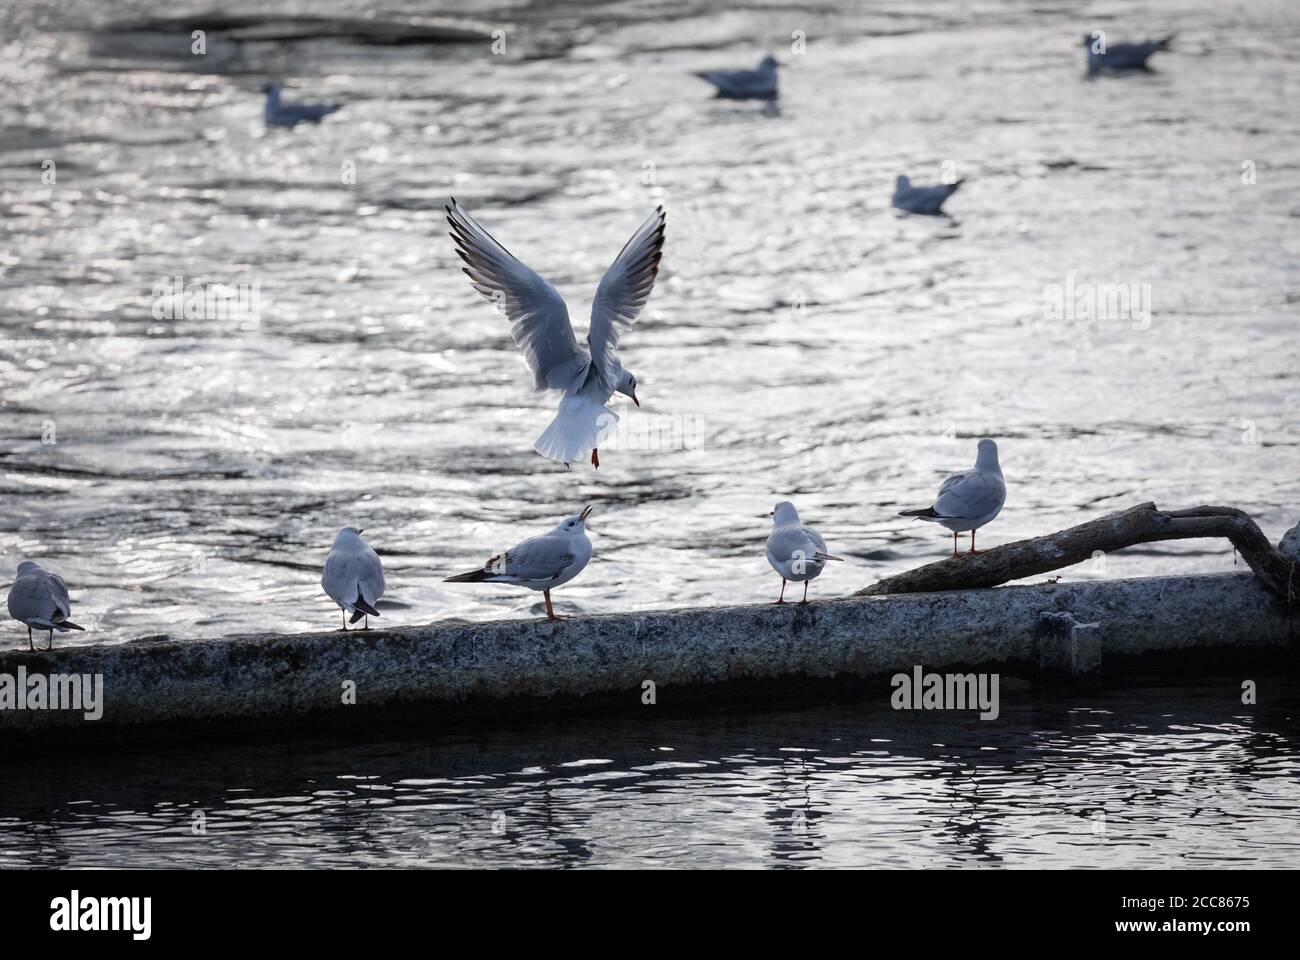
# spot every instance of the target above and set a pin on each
(345, 619)
(972, 542)
(804, 601)
(550, 611)
(780, 599)
(954, 544)
(595, 458)
(50, 645)
(29, 639)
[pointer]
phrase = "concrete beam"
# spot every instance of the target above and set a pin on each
(1158, 626)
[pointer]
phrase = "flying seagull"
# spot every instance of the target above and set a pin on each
(757, 84)
(1121, 56)
(281, 114)
(969, 499)
(539, 563)
(39, 599)
(587, 375)
(795, 552)
(353, 577)
(928, 200)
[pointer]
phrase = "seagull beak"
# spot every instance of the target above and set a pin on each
(635, 400)
(586, 511)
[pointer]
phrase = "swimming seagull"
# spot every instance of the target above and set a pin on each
(1121, 56)
(589, 375)
(969, 499)
(539, 563)
(354, 577)
(39, 599)
(795, 552)
(281, 114)
(757, 84)
(928, 200)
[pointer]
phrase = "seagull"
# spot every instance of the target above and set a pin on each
(39, 599)
(353, 577)
(969, 499)
(539, 563)
(927, 200)
(281, 114)
(795, 552)
(588, 376)
(757, 84)
(1121, 56)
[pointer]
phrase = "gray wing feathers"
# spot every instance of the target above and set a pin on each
(42, 598)
(622, 294)
(59, 594)
(785, 542)
(346, 575)
(538, 558)
(740, 83)
(538, 317)
(925, 199)
(969, 494)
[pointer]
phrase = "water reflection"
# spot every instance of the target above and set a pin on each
(1170, 777)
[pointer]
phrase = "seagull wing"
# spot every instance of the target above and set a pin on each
(785, 543)
(58, 592)
(39, 598)
(539, 320)
(970, 494)
(538, 558)
(347, 574)
(924, 199)
(622, 294)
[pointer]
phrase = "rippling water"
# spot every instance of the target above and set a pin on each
(1140, 778)
(809, 342)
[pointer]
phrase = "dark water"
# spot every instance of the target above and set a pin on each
(1144, 778)
(811, 343)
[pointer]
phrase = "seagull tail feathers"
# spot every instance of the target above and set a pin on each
(926, 514)
(65, 625)
(474, 576)
(580, 425)
(819, 555)
(362, 609)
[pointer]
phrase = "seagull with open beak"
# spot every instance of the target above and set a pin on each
(539, 563)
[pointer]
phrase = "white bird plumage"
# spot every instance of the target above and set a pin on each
(353, 577)
(39, 598)
(795, 551)
(970, 499)
(539, 563)
(588, 376)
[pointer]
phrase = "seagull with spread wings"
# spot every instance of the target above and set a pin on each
(586, 375)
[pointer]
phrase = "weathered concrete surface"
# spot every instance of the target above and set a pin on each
(260, 682)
